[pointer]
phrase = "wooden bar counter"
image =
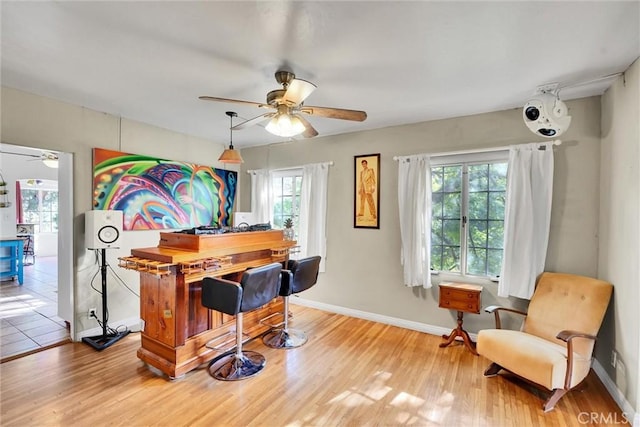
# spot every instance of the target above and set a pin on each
(176, 326)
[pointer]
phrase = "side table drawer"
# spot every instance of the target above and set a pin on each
(459, 299)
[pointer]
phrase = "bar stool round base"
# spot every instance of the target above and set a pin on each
(233, 368)
(284, 339)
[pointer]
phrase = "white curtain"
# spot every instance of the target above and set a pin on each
(414, 202)
(261, 195)
(527, 218)
(313, 211)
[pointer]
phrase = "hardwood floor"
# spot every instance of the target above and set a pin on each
(352, 372)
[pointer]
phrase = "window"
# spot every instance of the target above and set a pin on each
(467, 226)
(286, 197)
(40, 207)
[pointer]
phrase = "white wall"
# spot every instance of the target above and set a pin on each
(34, 121)
(618, 258)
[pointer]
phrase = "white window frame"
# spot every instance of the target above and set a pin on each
(466, 160)
(285, 173)
(45, 185)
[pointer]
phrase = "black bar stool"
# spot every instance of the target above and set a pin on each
(299, 276)
(257, 287)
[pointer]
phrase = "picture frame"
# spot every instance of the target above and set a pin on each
(366, 191)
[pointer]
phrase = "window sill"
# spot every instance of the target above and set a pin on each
(459, 278)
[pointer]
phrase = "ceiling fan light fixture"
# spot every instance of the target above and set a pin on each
(231, 155)
(288, 102)
(285, 125)
(50, 160)
(50, 163)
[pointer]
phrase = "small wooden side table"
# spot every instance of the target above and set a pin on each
(462, 297)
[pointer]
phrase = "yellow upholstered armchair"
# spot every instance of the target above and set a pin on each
(554, 346)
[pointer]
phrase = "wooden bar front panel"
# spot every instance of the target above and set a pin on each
(176, 325)
(157, 307)
(198, 314)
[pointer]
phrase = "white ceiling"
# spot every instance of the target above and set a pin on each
(402, 62)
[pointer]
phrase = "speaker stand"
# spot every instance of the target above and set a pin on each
(100, 342)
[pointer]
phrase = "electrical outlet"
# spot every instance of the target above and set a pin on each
(614, 358)
(92, 314)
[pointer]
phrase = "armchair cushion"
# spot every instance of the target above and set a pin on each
(532, 357)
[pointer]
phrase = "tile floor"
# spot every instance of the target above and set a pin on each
(28, 313)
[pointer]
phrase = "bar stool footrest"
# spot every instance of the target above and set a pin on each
(226, 342)
(265, 319)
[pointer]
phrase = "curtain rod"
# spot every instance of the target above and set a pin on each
(480, 150)
(250, 171)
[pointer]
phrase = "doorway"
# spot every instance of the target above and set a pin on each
(39, 313)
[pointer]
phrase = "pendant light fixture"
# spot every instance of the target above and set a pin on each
(230, 155)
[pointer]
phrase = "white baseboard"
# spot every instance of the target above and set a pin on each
(133, 324)
(632, 416)
(387, 320)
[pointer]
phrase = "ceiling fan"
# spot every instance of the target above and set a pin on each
(48, 158)
(288, 119)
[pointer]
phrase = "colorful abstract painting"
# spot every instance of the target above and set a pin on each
(162, 194)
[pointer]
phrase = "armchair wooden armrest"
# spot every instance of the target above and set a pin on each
(495, 309)
(567, 336)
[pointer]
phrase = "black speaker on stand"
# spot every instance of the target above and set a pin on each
(103, 229)
(100, 342)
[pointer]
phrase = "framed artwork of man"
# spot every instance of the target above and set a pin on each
(366, 201)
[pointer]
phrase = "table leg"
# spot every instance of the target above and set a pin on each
(20, 262)
(459, 332)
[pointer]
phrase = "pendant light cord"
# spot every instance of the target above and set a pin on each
(231, 115)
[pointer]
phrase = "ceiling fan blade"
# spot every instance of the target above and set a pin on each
(235, 101)
(253, 121)
(335, 113)
(22, 154)
(309, 131)
(297, 91)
